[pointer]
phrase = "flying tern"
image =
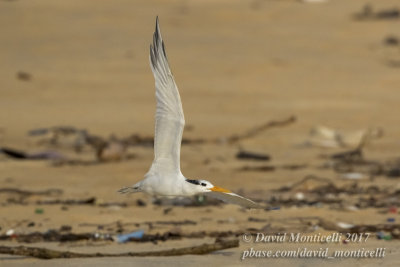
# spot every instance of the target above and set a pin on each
(165, 177)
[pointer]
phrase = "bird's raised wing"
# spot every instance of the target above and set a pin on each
(229, 197)
(169, 113)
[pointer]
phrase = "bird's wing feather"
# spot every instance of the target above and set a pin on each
(234, 199)
(169, 113)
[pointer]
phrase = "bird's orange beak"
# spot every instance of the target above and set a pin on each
(220, 189)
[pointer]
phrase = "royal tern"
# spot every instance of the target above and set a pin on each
(165, 177)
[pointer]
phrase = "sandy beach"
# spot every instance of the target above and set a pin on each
(323, 78)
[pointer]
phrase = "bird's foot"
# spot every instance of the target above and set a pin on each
(128, 190)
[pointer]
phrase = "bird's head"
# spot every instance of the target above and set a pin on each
(204, 186)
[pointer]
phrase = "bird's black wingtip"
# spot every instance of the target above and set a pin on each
(157, 25)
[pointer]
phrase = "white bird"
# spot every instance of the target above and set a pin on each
(165, 177)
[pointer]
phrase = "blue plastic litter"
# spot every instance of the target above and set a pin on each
(380, 235)
(391, 219)
(125, 237)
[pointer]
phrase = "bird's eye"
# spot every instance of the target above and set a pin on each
(203, 184)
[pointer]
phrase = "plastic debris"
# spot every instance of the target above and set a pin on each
(391, 219)
(10, 232)
(352, 208)
(39, 211)
(299, 196)
(393, 209)
(353, 176)
(387, 237)
(125, 237)
(345, 225)
(323, 136)
(382, 235)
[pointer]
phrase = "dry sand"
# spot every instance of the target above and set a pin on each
(238, 64)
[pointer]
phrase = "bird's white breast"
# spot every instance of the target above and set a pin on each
(166, 185)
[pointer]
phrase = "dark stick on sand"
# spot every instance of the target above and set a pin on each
(44, 253)
(256, 130)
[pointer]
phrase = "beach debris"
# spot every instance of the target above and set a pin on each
(393, 171)
(257, 130)
(310, 182)
(345, 225)
(65, 228)
(73, 137)
(62, 136)
(391, 220)
(39, 211)
(353, 176)
(317, 191)
(269, 168)
(391, 41)
(383, 235)
(27, 193)
(86, 201)
(141, 203)
(167, 211)
(43, 253)
(43, 155)
(150, 224)
(393, 209)
(299, 196)
(19, 196)
(392, 229)
(49, 236)
(113, 150)
(314, 1)
(126, 237)
(24, 76)
(263, 168)
(10, 232)
(323, 136)
(368, 13)
(247, 155)
(273, 208)
(136, 139)
(352, 161)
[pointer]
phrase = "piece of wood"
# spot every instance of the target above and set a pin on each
(256, 130)
(44, 253)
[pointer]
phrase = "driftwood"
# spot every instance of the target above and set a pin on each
(136, 139)
(22, 155)
(57, 236)
(113, 148)
(43, 253)
(253, 132)
(99, 143)
(367, 13)
(252, 156)
(49, 236)
(270, 168)
(86, 201)
(354, 161)
(27, 193)
(120, 224)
